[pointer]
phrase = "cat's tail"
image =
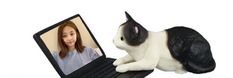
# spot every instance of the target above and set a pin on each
(198, 69)
(199, 59)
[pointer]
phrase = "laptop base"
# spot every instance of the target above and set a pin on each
(107, 70)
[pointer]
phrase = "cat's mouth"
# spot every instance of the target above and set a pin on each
(118, 46)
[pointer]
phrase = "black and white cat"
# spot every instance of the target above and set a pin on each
(178, 49)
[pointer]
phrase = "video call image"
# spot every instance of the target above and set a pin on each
(71, 45)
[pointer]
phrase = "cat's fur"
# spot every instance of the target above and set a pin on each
(178, 49)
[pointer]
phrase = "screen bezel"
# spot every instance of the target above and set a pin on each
(79, 72)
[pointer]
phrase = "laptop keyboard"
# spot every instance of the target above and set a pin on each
(106, 70)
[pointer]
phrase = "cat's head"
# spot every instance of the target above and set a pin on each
(130, 34)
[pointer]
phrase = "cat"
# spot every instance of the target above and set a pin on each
(179, 49)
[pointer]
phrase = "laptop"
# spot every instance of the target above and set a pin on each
(72, 62)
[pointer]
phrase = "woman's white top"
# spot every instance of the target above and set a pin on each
(75, 60)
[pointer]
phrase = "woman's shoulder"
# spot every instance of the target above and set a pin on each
(55, 53)
(88, 49)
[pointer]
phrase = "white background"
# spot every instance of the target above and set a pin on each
(21, 57)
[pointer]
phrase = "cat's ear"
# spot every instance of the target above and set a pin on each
(128, 16)
(136, 29)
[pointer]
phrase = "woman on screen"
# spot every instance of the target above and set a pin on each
(73, 53)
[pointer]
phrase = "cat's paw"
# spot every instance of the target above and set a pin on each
(121, 69)
(117, 62)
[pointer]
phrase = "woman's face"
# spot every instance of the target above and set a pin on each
(69, 36)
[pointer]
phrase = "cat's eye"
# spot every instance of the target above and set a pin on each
(122, 38)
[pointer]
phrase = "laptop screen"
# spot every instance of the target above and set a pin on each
(70, 44)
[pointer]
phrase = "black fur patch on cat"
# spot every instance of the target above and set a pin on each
(133, 32)
(191, 49)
